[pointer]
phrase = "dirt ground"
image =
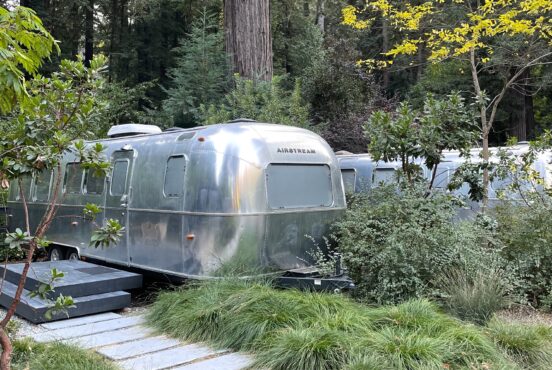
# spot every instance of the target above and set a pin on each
(526, 315)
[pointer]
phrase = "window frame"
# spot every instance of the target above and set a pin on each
(296, 207)
(85, 183)
(65, 177)
(27, 192)
(125, 190)
(165, 176)
(354, 171)
(382, 170)
(35, 187)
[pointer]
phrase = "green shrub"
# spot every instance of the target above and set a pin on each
(526, 233)
(396, 244)
(264, 101)
(473, 297)
(529, 345)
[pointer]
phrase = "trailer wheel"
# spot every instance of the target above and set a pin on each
(55, 253)
(72, 255)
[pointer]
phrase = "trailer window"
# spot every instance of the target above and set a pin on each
(174, 176)
(442, 178)
(73, 178)
(383, 176)
(93, 184)
(299, 186)
(25, 186)
(42, 186)
(118, 182)
(349, 180)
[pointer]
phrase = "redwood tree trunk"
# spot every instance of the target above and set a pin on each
(89, 33)
(248, 38)
(522, 117)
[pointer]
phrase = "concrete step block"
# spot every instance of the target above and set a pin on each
(169, 358)
(138, 347)
(89, 329)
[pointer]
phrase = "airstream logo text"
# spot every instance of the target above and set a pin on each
(296, 150)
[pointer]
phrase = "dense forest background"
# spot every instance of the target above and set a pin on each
(168, 65)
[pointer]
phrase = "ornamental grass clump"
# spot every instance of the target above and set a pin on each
(289, 329)
(194, 314)
(313, 347)
(528, 345)
(473, 297)
(417, 335)
(28, 354)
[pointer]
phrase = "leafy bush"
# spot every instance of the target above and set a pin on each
(526, 233)
(260, 100)
(395, 244)
(523, 218)
(296, 330)
(473, 297)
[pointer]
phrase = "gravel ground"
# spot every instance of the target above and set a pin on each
(526, 315)
(24, 327)
(27, 329)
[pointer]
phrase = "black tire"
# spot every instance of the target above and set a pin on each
(72, 254)
(56, 253)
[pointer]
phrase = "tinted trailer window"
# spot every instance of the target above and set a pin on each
(298, 186)
(349, 180)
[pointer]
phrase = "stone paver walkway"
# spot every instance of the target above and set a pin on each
(125, 340)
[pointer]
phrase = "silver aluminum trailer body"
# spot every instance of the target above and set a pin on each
(194, 200)
(360, 173)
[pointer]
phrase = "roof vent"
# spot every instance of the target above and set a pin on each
(244, 120)
(131, 129)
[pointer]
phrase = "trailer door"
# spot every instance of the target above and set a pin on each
(117, 201)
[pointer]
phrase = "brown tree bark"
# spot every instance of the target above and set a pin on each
(89, 33)
(113, 39)
(248, 38)
(522, 117)
(385, 49)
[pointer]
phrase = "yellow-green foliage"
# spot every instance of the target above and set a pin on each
(444, 40)
(288, 329)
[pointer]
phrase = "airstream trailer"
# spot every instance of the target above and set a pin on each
(360, 172)
(193, 200)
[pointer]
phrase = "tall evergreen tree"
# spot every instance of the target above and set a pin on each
(201, 74)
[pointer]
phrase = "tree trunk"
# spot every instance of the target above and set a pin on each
(320, 16)
(248, 38)
(522, 117)
(530, 117)
(420, 67)
(385, 49)
(89, 33)
(113, 39)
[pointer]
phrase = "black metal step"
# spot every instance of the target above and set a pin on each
(81, 278)
(34, 309)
